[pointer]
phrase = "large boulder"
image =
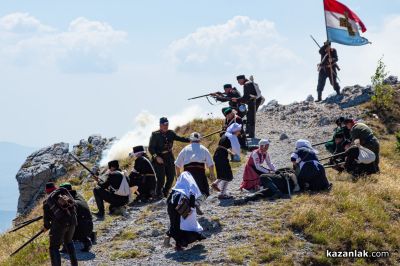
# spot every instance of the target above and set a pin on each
(39, 168)
(92, 148)
(351, 96)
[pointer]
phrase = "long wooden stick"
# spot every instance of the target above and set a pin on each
(29, 241)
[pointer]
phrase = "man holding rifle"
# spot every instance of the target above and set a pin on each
(109, 189)
(327, 69)
(253, 98)
(229, 93)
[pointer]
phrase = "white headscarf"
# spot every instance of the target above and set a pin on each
(264, 142)
(235, 127)
(303, 143)
(187, 185)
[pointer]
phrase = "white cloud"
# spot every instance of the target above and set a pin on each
(239, 44)
(86, 46)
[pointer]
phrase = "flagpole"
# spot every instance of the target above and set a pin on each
(329, 51)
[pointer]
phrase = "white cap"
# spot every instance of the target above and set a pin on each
(264, 142)
(195, 136)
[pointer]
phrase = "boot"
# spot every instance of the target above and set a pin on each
(319, 96)
(337, 91)
(55, 257)
(72, 254)
(87, 244)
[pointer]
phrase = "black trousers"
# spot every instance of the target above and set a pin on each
(323, 75)
(60, 234)
(146, 186)
(101, 195)
(252, 107)
(83, 231)
(165, 174)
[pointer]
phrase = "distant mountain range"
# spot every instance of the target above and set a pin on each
(12, 156)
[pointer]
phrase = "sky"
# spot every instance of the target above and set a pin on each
(74, 68)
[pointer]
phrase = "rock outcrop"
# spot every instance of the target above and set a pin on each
(51, 163)
(91, 148)
(46, 164)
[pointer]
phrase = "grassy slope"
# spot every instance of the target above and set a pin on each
(361, 215)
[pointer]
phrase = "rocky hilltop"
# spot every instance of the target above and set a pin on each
(51, 163)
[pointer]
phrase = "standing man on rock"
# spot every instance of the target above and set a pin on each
(253, 98)
(160, 148)
(327, 69)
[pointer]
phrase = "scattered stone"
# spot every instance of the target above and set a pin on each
(283, 136)
(324, 121)
(391, 80)
(310, 98)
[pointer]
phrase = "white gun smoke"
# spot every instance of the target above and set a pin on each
(146, 123)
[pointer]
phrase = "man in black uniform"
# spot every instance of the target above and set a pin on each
(84, 230)
(143, 174)
(106, 187)
(327, 69)
(230, 92)
(253, 101)
(160, 148)
(59, 215)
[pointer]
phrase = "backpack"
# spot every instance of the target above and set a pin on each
(62, 206)
(123, 189)
(366, 156)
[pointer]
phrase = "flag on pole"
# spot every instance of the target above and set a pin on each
(342, 24)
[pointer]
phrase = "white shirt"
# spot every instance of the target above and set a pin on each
(194, 153)
(259, 165)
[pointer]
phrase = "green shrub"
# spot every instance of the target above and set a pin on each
(383, 97)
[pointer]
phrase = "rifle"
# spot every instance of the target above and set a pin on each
(321, 143)
(216, 132)
(315, 41)
(201, 96)
(84, 166)
(333, 165)
(29, 241)
(26, 223)
(333, 156)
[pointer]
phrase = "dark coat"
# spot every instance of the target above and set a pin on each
(162, 143)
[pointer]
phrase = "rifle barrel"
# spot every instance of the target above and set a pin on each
(29, 241)
(201, 96)
(333, 156)
(315, 41)
(321, 143)
(84, 166)
(26, 223)
(209, 135)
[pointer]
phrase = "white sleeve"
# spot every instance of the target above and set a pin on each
(257, 163)
(209, 160)
(271, 166)
(180, 160)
